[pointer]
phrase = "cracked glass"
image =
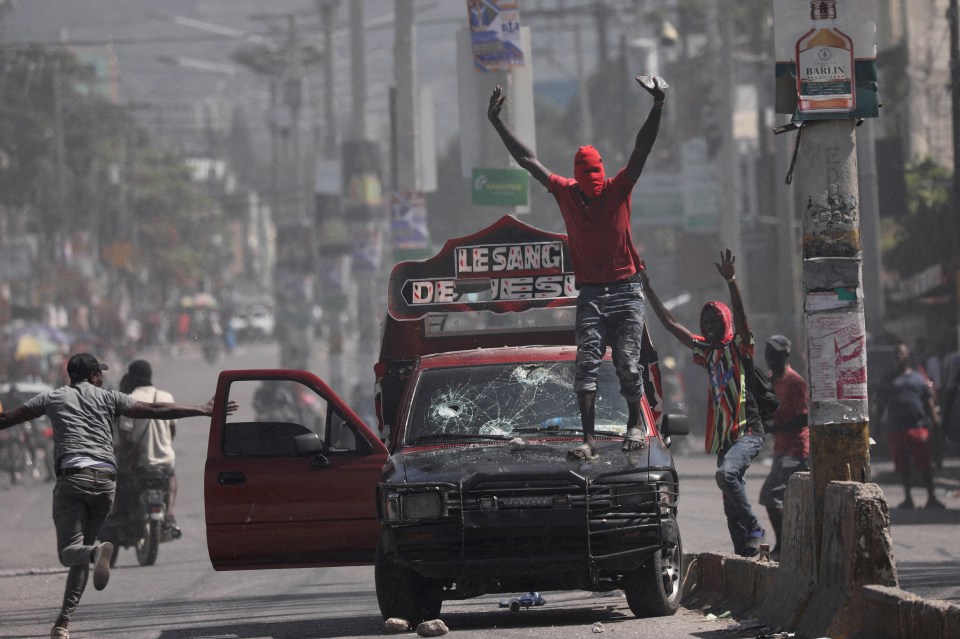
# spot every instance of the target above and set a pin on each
(504, 401)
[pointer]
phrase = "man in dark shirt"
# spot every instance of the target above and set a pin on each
(610, 312)
(82, 415)
(904, 400)
(734, 428)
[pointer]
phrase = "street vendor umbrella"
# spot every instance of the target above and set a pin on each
(32, 346)
(204, 300)
(41, 332)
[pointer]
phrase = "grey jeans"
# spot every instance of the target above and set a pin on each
(610, 315)
(80, 505)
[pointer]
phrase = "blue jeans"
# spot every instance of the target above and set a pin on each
(610, 315)
(732, 465)
(80, 506)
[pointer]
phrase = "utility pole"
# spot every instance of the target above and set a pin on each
(358, 73)
(720, 33)
(60, 217)
(953, 17)
(836, 336)
(327, 9)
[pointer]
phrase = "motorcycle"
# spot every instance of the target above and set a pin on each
(139, 513)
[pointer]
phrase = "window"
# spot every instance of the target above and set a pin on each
(509, 400)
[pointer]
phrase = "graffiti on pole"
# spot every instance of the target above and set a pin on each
(826, 59)
(495, 34)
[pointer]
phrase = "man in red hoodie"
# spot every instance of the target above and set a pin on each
(734, 427)
(610, 311)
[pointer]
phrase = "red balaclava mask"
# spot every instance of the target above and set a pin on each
(723, 311)
(588, 170)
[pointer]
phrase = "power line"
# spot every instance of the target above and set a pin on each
(122, 41)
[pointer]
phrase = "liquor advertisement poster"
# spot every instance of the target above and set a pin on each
(838, 360)
(495, 34)
(826, 58)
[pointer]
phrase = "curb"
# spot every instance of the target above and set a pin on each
(857, 597)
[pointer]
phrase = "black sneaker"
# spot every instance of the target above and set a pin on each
(101, 565)
(752, 545)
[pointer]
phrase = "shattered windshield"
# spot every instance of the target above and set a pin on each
(503, 401)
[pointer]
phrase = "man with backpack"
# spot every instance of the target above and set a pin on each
(791, 447)
(734, 424)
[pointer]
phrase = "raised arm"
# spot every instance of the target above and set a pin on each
(164, 410)
(666, 318)
(647, 134)
(727, 271)
(18, 415)
(520, 152)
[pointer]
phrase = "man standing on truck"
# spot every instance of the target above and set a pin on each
(734, 427)
(610, 310)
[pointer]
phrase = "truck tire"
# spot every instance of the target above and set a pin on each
(654, 589)
(403, 593)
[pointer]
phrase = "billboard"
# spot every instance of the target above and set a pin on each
(495, 34)
(826, 58)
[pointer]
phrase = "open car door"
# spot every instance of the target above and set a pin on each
(290, 478)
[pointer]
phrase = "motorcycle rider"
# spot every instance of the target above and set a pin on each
(153, 436)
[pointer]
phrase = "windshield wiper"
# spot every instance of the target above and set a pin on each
(548, 429)
(443, 436)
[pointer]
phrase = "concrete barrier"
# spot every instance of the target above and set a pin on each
(854, 594)
(794, 581)
(855, 550)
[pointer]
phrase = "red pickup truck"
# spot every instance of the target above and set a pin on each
(464, 487)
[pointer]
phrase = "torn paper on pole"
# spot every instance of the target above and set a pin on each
(838, 360)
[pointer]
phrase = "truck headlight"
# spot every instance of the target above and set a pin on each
(407, 505)
(421, 506)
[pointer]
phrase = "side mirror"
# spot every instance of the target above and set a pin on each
(307, 443)
(675, 424)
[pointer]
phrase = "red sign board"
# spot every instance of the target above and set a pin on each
(507, 267)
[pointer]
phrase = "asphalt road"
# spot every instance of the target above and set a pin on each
(181, 597)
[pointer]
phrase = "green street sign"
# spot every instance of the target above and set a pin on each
(499, 187)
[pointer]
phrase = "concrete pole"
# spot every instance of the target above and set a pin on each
(724, 91)
(327, 10)
(870, 215)
(408, 166)
(583, 91)
(953, 18)
(833, 309)
(358, 73)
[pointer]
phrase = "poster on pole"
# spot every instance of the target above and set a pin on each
(838, 359)
(408, 226)
(495, 34)
(826, 58)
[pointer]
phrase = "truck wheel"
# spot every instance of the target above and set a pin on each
(654, 590)
(403, 593)
(148, 542)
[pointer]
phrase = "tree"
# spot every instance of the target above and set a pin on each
(926, 232)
